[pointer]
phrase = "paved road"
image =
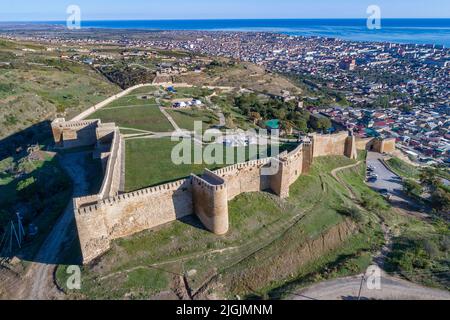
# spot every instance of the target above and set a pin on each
(386, 178)
(393, 183)
(348, 289)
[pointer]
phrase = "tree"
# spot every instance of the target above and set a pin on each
(255, 117)
(320, 123)
(302, 125)
(286, 126)
(440, 199)
(428, 176)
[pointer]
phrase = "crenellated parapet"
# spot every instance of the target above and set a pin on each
(73, 134)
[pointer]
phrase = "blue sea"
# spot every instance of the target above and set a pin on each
(411, 31)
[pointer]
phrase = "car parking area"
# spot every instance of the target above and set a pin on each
(381, 178)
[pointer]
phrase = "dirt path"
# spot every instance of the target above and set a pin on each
(335, 172)
(37, 284)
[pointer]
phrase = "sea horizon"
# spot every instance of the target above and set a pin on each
(431, 31)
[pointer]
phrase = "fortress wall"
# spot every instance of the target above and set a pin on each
(92, 232)
(363, 144)
(377, 145)
(295, 160)
(105, 132)
(350, 147)
(111, 181)
(387, 146)
(86, 201)
(308, 156)
(130, 213)
(106, 216)
(244, 177)
(209, 194)
(145, 209)
(280, 182)
(73, 134)
(329, 145)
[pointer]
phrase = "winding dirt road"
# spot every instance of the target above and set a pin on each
(37, 284)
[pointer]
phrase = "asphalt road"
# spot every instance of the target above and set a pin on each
(393, 183)
(349, 289)
(386, 178)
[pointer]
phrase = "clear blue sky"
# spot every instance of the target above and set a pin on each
(28, 10)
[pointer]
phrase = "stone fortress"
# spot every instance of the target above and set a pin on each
(112, 214)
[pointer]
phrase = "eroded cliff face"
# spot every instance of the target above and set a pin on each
(264, 267)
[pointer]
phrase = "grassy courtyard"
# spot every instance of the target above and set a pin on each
(191, 92)
(149, 162)
(186, 118)
(132, 100)
(147, 117)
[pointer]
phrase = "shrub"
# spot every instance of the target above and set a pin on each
(26, 188)
(412, 188)
(440, 200)
(373, 203)
(353, 213)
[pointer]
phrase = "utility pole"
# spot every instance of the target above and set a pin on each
(13, 232)
(360, 287)
(20, 227)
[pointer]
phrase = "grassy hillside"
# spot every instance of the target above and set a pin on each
(38, 84)
(226, 72)
(403, 169)
(38, 188)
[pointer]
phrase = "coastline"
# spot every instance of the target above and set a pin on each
(403, 31)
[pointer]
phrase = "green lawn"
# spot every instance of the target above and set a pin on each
(148, 163)
(145, 118)
(131, 100)
(186, 118)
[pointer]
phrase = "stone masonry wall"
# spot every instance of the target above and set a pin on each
(73, 134)
(330, 144)
(244, 177)
(209, 194)
(131, 213)
(112, 177)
